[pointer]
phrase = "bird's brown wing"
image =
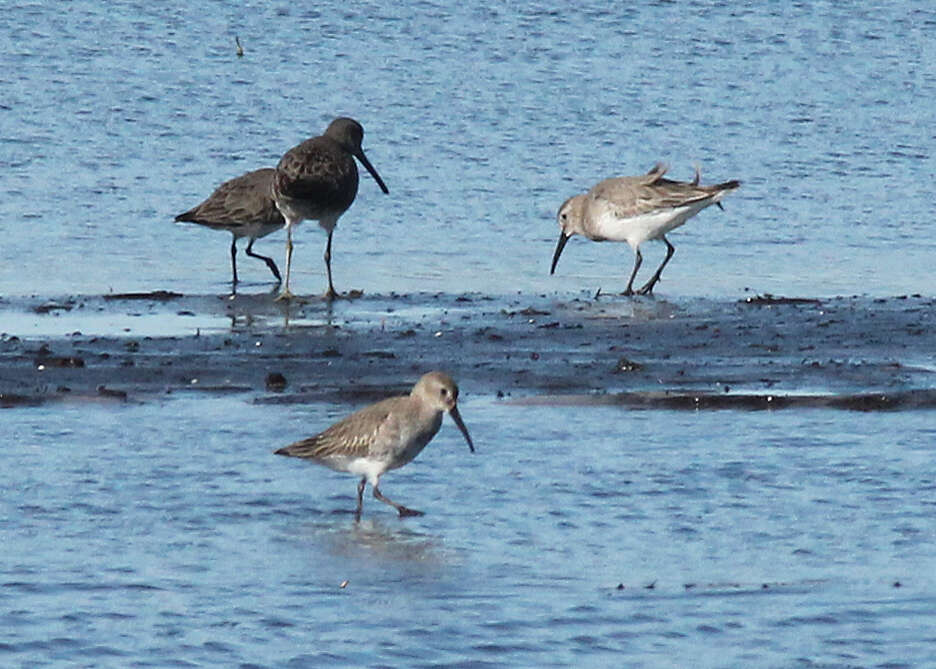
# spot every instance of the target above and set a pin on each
(244, 200)
(317, 170)
(353, 436)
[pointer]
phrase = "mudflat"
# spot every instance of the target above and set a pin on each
(756, 351)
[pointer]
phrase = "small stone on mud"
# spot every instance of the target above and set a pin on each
(275, 382)
(625, 365)
(104, 391)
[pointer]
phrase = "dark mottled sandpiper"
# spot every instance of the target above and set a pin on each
(318, 180)
(244, 207)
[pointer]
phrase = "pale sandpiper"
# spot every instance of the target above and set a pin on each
(318, 180)
(634, 210)
(385, 435)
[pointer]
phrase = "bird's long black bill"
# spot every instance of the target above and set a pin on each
(370, 168)
(461, 426)
(563, 238)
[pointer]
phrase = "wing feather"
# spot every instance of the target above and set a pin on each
(318, 169)
(635, 196)
(356, 435)
(244, 200)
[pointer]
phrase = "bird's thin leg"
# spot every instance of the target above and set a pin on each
(648, 287)
(630, 284)
(234, 260)
(360, 498)
(267, 260)
(330, 294)
(286, 294)
(402, 510)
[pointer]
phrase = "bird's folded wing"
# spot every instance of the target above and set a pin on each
(353, 436)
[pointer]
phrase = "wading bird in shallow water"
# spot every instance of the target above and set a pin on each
(635, 209)
(318, 180)
(244, 207)
(385, 436)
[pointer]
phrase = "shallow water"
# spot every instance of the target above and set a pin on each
(573, 535)
(116, 118)
(162, 531)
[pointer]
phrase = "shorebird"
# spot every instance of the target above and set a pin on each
(634, 210)
(318, 180)
(385, 435)
(244, 207)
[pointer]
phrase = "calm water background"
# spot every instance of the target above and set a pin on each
(196, 545)
(166, 533)
(115, 117)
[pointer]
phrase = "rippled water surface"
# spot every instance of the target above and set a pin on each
(482, 121)
(166, 533)
(597, 536)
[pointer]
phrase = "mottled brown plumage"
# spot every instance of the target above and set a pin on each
(318, 180)
(385, 435)
(244, 207)
(634, 210)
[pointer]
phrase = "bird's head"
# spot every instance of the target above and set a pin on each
(570, 223)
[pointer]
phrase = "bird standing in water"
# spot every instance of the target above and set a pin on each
(385, 435)
(318, 180)
(244, 207)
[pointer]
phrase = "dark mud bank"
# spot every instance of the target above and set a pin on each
(758, 352)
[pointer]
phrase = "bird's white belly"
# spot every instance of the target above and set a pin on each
(294, 209)
(255, 230)
(637, 229)
(369, 468)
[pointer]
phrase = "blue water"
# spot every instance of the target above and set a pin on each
(776, 539)
(167, 534)
(117, 116)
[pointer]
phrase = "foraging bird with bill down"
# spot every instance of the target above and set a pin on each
(244, 207)
(385, 436)
(634, 210)
(318, 180)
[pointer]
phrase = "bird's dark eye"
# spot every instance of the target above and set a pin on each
(443, 392)
(564, 216)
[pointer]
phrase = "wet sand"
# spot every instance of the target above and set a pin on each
(754, 352)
